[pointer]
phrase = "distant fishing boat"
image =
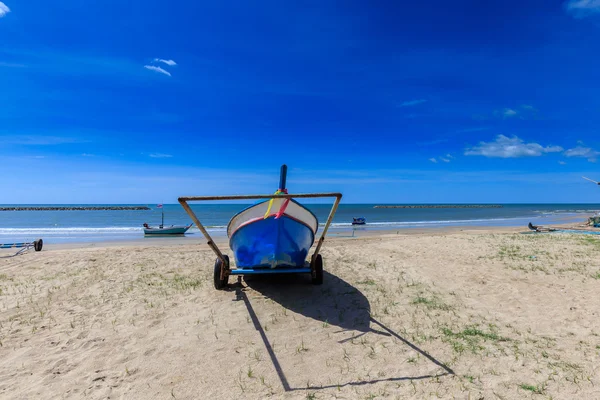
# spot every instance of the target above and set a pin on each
(165, 230)
(359, 221)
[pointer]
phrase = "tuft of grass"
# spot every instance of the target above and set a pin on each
(470, 338)
(596, 275)
(433, 303)
(531, 388)
(301, 348)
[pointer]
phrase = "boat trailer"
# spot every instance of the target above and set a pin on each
(315, 261)
(36, 244)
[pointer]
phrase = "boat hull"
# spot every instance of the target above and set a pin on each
(169, 230)
(271, 242)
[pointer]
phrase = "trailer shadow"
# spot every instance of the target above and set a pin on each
(336, 302)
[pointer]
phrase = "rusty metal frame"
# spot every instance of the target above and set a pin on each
(184, 203)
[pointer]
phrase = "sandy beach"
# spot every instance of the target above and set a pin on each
(459, 313)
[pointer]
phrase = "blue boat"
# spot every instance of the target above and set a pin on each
(273, 236)
(276, 233)
(359, 221)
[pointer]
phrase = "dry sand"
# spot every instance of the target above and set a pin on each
(468, 315)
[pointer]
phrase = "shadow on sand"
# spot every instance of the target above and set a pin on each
(336, 301)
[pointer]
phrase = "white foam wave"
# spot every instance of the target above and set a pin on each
(70, 230)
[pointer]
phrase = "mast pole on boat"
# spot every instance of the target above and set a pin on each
(282, 177)
(162, 210)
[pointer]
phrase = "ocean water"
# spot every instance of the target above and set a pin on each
(97, 226)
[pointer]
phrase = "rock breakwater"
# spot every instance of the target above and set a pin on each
(441, 206)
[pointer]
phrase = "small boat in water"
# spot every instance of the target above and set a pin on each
(359, 221)
(165, 230)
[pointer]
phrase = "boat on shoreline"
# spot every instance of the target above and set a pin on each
(165, 230)
(273, 236)
(275, 233)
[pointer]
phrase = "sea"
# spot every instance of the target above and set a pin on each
(92, 226)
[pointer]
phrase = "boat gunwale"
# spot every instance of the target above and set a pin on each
(230, 235)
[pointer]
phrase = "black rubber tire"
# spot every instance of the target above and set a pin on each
(38, 244)
(316, 267)
(221, 284)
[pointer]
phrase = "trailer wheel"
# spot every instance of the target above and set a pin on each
(316, 268)
(221, 284)
(38, 244)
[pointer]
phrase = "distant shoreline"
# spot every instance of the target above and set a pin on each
(91, 208)
(443, 206)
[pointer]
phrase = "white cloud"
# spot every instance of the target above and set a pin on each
(584, 152)
(170, 63)
(522, 112)
(444, 159)
(433, 160)
(583, 8)
(3, 9)
(160, 155)
(562, 163)
(505, 147)
(157, 69)
(412, 103)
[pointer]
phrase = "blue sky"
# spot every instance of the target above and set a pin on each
(142, 102)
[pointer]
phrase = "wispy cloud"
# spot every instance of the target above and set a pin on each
(3, 9)
(157, 69)
(582, 8)
(160, 155)
(583, 152)
(447, 158)
(509, 112)
(562, 163)
(505, 147)
(413, 103)
(170, 63)
(522, 112)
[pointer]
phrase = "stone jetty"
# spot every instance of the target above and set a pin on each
(76, 208)
(441, 206)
